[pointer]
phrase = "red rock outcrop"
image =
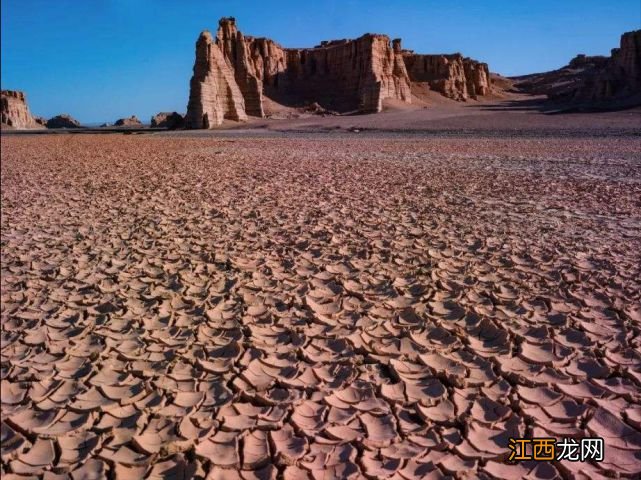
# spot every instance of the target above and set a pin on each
(63, 121)
(132, 121)
(170, 120)
(341, 75)
(452, 75)
(593, 82)
(621, 75)
(443, 73)
(214, 94)
(234, 74)
(477, 77)
(344, 75)
(253, 61)
(15, 112)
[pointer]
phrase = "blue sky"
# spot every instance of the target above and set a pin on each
(103, 59)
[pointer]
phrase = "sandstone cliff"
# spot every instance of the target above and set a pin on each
(234, 73)
(620, 77)
(593, 81)
(237, 75)
(214, 94)
(341, 75)
(443, 73)
(477, 77)
(14, 111)
(452, 75)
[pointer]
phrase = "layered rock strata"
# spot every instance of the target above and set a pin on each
(454, 76)
(477, 77)
(233, 74)
(15, 112)
(620, 76)
(214, 94)
(594, 81)
(342, 75)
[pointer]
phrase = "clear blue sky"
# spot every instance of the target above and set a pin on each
(103, 59)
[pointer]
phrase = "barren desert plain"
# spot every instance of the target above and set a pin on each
(379, 297)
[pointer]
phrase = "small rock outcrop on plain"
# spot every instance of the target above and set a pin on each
(593, 81)
(234, 74)
(170, 120)
(15, 112)
(63, 121)
(128, 122)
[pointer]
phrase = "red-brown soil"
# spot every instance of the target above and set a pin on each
(320, 305)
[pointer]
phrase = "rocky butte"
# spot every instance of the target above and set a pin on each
(15, 112)
(169, 120)
(594, 81)
(236, 75)
(620, 75)
(128, 122)
(63, 120)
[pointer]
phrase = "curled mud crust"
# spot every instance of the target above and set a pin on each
(318, 308)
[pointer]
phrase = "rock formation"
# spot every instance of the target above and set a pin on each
(14, 111)
(341, 75)
(213, 94)
(619, 77)
(593, 81)
(443, 73)
(477, 77)
(128, 122)
(63, 121)
(452, 75)
(170, 120)
(235, 74)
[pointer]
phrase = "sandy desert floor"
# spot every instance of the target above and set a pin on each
(318, 306)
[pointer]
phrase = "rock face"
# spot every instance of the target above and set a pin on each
(233, 74)
(620, 76)
(63, 121)
(443, 73)
(15, 112)
(594, 81)
(477, 77)
(214, 94)
(170, 120)
(340, 75)
(454, 76)
(128, 122)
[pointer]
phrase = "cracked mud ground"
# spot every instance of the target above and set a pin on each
(317, 308)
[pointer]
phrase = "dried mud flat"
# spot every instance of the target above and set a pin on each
(345, 307)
